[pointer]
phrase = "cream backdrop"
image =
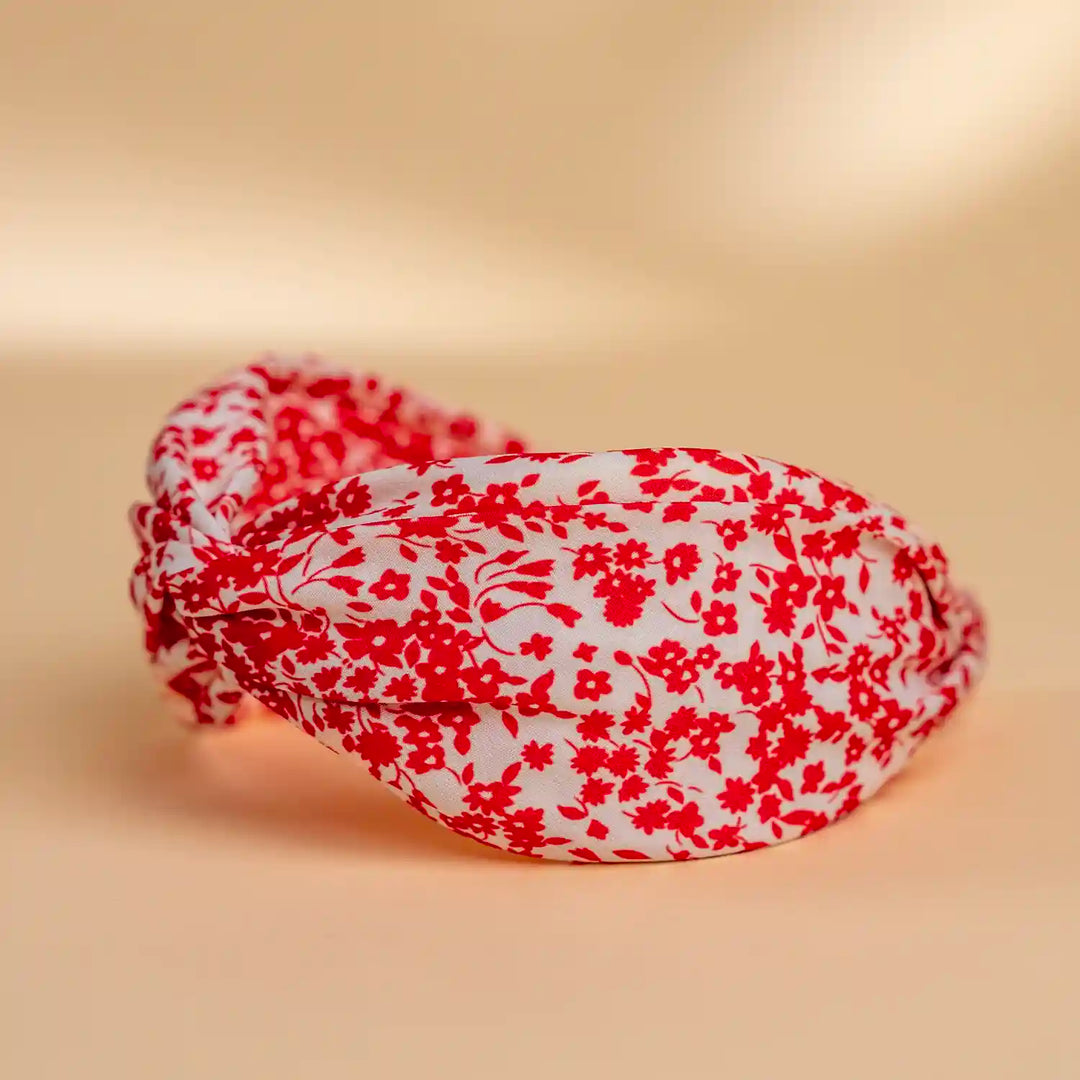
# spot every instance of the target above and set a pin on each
(842, 233)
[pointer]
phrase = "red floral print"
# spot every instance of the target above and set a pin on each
(622, 656)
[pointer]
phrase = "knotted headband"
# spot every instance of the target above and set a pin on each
(630, 655)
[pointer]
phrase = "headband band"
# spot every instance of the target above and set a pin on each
(641, 654)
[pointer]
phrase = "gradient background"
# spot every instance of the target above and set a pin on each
(844, 234)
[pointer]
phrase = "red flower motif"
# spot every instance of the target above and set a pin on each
(326, 679)
(539, 645)
(205, 469)
(830, 596)
(727, 576)
(592, 559)
(449, 490)
(391, 586)
(354, 498)
(377, 746)
(727, 836)
(623, 760)
(733, 533)
(595, 726)
(380, 640)
(625, 596)
(536, 756)
(720, 618)
(592, 685)
(770, 518)
(450, 551)
(361, 681)
(794, 584)
(594, 791)
(651, 816)
(589, 759)
(686, 819)
(632, 555)
(736, 796)
(401, 688)
(490, 798)
(680, 562)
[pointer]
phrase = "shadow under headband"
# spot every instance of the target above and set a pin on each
(633, 655)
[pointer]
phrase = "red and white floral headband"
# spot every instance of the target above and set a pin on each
(631, 655)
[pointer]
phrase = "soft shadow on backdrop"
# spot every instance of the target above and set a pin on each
(839, 233)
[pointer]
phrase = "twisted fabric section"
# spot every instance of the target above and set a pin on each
(274, 431)
(635, 654)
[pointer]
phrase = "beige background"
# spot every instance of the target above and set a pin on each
(845, 234)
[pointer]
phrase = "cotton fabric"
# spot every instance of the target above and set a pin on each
(645, 654)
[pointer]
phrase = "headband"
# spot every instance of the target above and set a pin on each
(643, 654)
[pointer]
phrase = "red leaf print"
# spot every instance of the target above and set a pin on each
(564, 613)
(728, 465)
(289, 563)
(490, 610)
(812, 777)
(626, 853)
(585, 853)
(511, 724)
(784, 545)
(574, 813)
(542, 686)
(349, 585)
(540, 568)
(864, 578)
(353, 557)
(536, 589)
